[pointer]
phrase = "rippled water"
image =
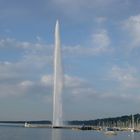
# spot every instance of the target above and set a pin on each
(21, 133)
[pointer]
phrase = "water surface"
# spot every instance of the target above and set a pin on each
(20, 133)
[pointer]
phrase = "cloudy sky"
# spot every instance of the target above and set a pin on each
(101, 58)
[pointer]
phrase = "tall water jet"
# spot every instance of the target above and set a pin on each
(58, 80)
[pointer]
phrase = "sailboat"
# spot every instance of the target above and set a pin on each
(132, 124)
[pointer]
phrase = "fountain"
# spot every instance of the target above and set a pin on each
(58, 81)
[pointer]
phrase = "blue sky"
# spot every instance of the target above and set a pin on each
(101, 53)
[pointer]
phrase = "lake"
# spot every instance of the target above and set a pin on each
(14, 132)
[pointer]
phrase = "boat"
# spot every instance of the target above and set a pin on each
(132, 126)
(27, 124)
(110, 131)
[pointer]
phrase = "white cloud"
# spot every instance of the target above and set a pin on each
(74, 87)
(6, 42)
(101, 20)
(7, 90)
(15, 89)
(25, 54)
(22, 63)
(11, 42)
(22, 76)
(26, 83)
(81, 9)
(8, 71)
(121, 96)
(127, 77)
(85, 92)
(99, 43)
(38, 38)
(81, 5)
(132, 24)
(69, 81)
(72, 81)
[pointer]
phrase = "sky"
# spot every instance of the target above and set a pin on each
(100, 53)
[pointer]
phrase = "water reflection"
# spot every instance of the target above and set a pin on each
(56, 134)
(132, 136)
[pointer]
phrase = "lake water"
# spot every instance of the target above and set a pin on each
(20, 133)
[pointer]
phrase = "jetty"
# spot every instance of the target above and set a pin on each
(80, 127)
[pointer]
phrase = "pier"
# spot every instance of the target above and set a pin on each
(80, 127)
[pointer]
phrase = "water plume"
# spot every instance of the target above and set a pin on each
(58, 80)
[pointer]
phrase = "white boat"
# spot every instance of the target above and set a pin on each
(110, 131)
(132, 125)
(26, 124)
